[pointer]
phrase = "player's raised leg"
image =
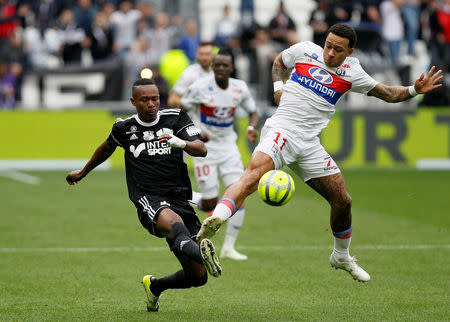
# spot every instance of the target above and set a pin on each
(235, 194)
(334, 190)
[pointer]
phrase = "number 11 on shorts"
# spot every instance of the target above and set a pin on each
(277, 137)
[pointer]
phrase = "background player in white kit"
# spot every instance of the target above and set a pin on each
(212, 103)
(202, 68)
(320, 76)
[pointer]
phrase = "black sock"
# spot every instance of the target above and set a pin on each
(181, 242)
(176, 280)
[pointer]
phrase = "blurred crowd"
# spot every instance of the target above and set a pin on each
(49, 34)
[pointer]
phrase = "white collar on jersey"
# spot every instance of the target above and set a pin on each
(136, 117)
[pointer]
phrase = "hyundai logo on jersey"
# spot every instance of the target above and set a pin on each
(328, 86)
(320, 75)
(221, 116)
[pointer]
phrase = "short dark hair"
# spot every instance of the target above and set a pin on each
(143, 81)
(344, 31)
(225, 51)
(206, 43)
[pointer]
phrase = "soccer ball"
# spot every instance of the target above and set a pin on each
(276, 187)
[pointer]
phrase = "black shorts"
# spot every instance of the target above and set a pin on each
(149, 208)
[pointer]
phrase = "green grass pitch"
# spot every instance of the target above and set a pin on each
(79, 253)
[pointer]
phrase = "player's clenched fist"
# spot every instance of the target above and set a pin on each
(74, 176)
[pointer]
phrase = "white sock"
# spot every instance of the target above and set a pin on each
(222, 211)
(233, 227)
(341, 247)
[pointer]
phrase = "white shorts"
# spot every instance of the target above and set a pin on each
(307, 158)
(226, 164)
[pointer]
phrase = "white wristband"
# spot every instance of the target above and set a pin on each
(250, 128)
(177, 142)
(412, 91)
(277, 86)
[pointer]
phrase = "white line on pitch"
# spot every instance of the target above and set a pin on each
(251, 248)
(20, 176)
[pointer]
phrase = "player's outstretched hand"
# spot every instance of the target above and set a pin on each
(74, 176)
(425, 84)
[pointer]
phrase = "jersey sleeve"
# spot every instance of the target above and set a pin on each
(290, 55)
(363, 82)
(185, 128)
(182, 85)
(191, 98)
(114, 136)
(247, 102)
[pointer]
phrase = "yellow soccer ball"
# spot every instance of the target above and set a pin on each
(276, 187)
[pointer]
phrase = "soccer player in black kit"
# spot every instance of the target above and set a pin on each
(159, 185)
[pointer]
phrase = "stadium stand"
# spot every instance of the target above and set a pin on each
(36, 38)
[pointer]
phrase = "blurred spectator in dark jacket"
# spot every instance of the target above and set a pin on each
(190, 40)
(439, 23)
(84, 13)
(101, 38)
(281, 25)
(319, 21)
(72, 38)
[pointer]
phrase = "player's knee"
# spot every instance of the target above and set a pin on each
(177, 229)
(199, 281)
(345, 202)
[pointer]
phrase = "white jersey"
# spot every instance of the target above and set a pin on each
(313, 90)
(188, 77)
(213, 108)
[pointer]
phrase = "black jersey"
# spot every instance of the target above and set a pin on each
(154, 168)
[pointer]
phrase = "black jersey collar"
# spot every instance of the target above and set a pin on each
(136, 117)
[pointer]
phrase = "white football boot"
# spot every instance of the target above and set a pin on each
(209, 228)
(349, 264)
(233, 254)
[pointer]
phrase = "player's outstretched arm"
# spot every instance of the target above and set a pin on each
(101, 154)
(279, 74)
(422, 85)
(196, 148)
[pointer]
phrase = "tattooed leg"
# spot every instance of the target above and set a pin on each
(334, 190)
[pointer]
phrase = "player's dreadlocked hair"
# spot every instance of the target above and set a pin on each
(344, 31)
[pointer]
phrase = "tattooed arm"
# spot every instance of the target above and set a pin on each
(422, 85)
(279, 73)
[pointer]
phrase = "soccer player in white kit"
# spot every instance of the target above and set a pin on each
(319, 78)
(202, 68)
(211, 102)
